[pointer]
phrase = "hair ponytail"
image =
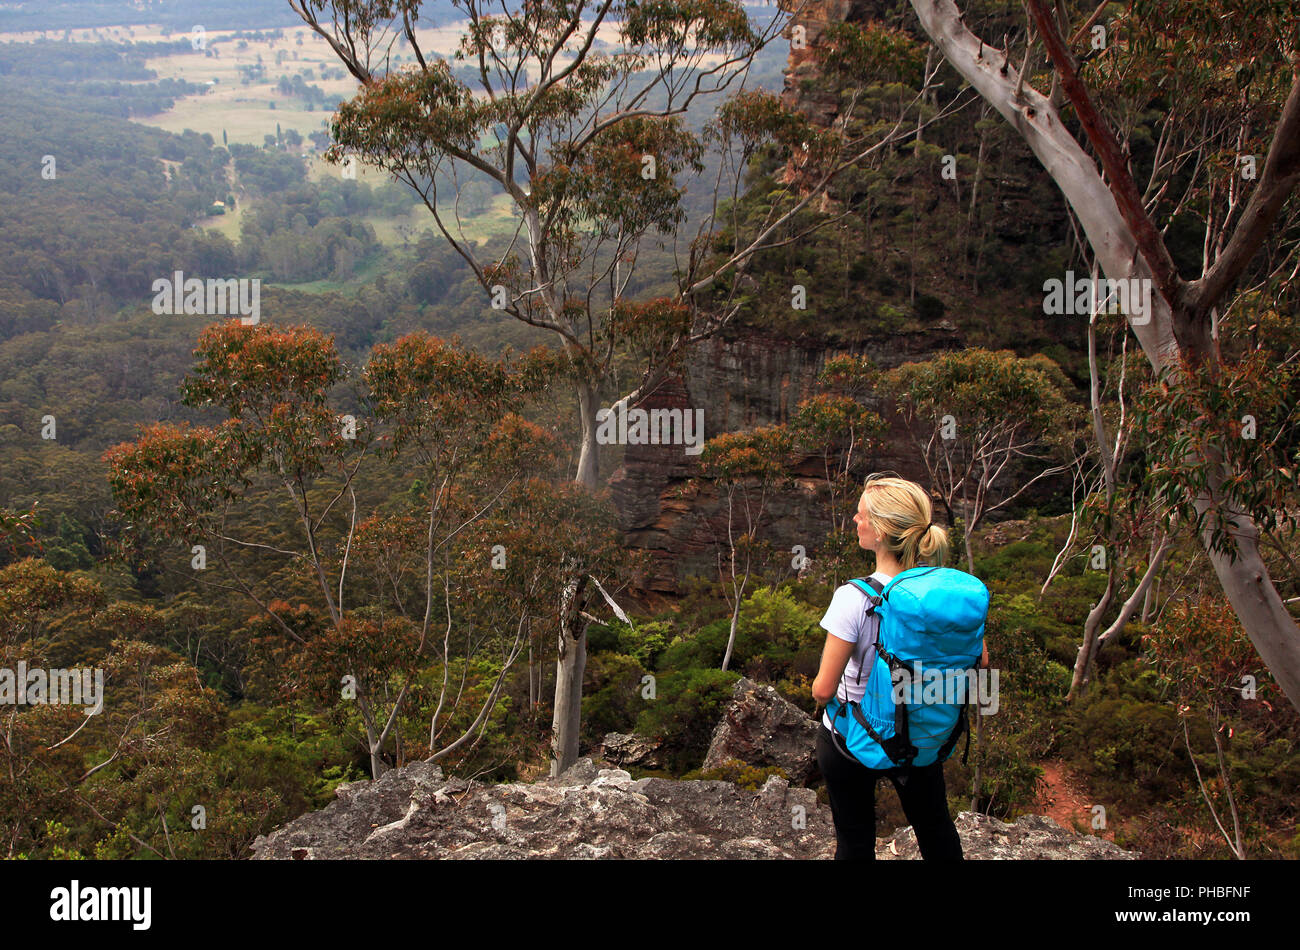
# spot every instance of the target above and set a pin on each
(932, 546)
(901, 512)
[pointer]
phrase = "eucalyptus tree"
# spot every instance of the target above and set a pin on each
(576, 110)
(997, 420)
(361, 603)
(1172, 128)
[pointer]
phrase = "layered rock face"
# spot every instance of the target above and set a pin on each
(803, 89)
(748, 381)
(755, 379)
(743, 383)
(763, 728)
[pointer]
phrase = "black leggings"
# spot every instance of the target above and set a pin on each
(852, 789)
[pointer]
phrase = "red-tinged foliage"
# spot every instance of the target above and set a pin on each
(30, 590)
(274, 383)
(1203, 657)
(652, 328)
(430, 389)
(252, 370)
(370, 650)
(849, 375)
(17, 534)
(275, 638)
(762, 454)
(428, 106)
(516, 445)
(172, 477)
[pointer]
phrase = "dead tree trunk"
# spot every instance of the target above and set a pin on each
(569, 668)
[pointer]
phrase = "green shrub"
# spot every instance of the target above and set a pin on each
(686, 707)
(783, 634)
(777, 637)
(1035, 622)
(1132, 751)
(611, 695)
(752, 777)
(929, 309)
(1009, 779)
(703, 649)
(646, 641)
(602, 638)
(797, 689)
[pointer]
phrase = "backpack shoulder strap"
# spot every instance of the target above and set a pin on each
(870, 587)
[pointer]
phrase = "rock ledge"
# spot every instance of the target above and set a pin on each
(415, 812)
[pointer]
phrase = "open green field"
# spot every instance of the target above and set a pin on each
(368, 270)
(243, 109)
(497, 221)
(228, 223)
(247, 110)
(240, 107)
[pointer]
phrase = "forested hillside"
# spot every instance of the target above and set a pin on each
(383, 519)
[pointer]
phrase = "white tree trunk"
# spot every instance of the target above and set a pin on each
(1088, 648)
(588, 474)
(567, 720)
(731, 639)
(569, 668)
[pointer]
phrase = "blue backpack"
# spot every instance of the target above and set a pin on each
(914, 708)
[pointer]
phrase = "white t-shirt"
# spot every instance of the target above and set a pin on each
(846, 618)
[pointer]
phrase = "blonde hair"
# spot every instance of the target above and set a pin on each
(901, 513)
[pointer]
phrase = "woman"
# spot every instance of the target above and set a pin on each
(893, 520)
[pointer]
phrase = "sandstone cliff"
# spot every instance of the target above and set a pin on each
(755, 376)
(748, 381)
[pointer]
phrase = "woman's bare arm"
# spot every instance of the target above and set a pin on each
(835, 656)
